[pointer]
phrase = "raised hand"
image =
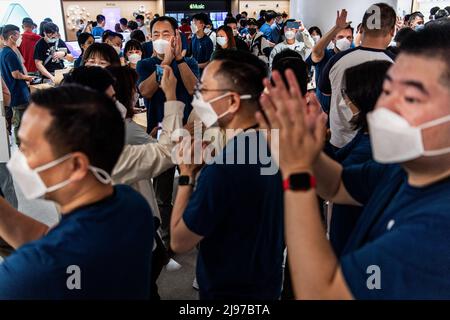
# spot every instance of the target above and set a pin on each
(300, 142)
(341, 19)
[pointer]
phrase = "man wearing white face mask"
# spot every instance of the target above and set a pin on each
(289, 43)
(400, 246)
(72, 138)
(233, 210)
(168, 51)
(50, 52)
(375, 40)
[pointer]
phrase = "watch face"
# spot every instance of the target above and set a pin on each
(183, 180)
(300, 181)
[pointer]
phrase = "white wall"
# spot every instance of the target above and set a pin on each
(322, 13)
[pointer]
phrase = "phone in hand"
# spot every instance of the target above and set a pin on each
(293, 25)
(159, 73)
(36, 80)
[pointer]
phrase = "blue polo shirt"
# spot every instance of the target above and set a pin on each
(9, 62)
(239, 212)
(266, 29)
(202, 48)
(110, 242)
(155, 105)
(97, 31)
(323, 99)
(403, 230)
(344, 218)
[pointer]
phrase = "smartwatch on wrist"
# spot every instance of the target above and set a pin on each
(182, 60)
(186, 181)
(299, 182)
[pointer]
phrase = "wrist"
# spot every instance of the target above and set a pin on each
(287, 172)
(171, 96)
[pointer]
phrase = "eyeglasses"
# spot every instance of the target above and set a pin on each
(199, 89)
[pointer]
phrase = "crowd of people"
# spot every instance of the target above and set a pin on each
(355, 120)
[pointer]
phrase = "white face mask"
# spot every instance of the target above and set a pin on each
(205, 110)
(30, 181)
(343, 44)
(221, 41)
(235, 32)
(134, 58)
(316, 38)
(160, 46)
(289, 34)
(394, 140)
(118, 49)
(348, 113)
(194, 28)
(19, 41)
(52, 40)
(207, 30)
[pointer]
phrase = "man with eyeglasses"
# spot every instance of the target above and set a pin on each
(50, 52)
(234, 209)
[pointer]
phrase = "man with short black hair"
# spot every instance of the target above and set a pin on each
(233, 210)
(99, 29)
(72, 138)
(14, 76)
(266, 28)
(140, 20)
(132, 25)
(26, 47)
(417, 21)
(202, 46)
(50, 52)
(123, 24)
(375, 40)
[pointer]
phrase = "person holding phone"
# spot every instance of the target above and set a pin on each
(291, 29)
(50, 52)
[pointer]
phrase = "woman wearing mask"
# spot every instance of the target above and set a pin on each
(225, 40)
(133, 53)
(101, 55)
(85, 40)
(315, 33)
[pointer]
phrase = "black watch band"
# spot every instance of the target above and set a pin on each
(186, 181)
(299, 182)
(182, 60)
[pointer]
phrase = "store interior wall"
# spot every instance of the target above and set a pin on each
(254, 7)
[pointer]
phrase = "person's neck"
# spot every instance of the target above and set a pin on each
(11, 44)
(91, 193)
(418, 177)
(373, 42)
(27, 30)
(238, 124)
(200, 34)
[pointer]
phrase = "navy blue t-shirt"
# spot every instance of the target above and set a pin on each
(110, 241)
(403, 230)
(202, 48)
(9, 62)
(344, 218)
(155, 106)
(239, 212)
(323, 99)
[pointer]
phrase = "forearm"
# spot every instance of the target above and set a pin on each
(42, 70)
(314, 266)
(18, 229)
(188, 77)
(181, 201)
(328, 175)
(203, 65)
(69, 58)
(149, 86)
(319, 49)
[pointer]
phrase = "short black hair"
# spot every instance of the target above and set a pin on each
(27, 22)
(83, 37)
(434, 10)
(414, 15)
(123, 21)
(50, 27)
(140, 17)
(132, 25)
(108, 34)
(297, 65)
(252, 22)
(203, 17)
(363, 85)
(433, 42)
(100, 18)
(441, 14)
(48, 20)
(132, 45)
(171, 20)
(315, 29)
(103, 49)
(230, 20)
(286, 53)
(270, 15)
(138, 35)
(402, 34)
(9, 30)
(84, 121)
(387, 21)
(243, 72)
(96, 78)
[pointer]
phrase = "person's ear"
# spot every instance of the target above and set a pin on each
(235, 103)
(79, 166)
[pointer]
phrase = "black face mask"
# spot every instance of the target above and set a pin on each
(251, 31)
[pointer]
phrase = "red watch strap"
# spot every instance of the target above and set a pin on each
(287, 184)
